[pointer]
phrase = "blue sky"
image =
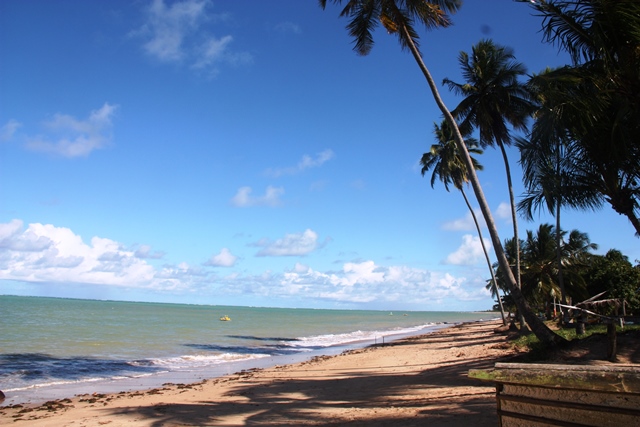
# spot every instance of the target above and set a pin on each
(240, 153)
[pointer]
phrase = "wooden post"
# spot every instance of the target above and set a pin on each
(581, 323)
(612, 341)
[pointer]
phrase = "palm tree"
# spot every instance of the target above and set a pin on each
(540, 269)
(596, 103)
(543, 179)
(449, 167)
(398, 18)
(493, 99)
(552, 176)
(540, 282)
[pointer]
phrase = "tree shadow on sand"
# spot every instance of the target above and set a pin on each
(301, 401)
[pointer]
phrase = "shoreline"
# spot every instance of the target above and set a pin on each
(37, 395)
(408, 381)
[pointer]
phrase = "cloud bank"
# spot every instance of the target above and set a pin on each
(46, 254)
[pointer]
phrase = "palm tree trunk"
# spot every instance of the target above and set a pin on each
(538, 327)
(563, 293)
(514, 216)
(634, 220)
(486, 255)
(514, 220)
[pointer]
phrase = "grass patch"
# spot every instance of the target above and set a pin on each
(532, 349)
(570, 333)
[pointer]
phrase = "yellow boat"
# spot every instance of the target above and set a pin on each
(225, 318)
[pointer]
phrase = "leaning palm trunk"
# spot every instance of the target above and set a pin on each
(486, 255)
(538, 327)
(514, 219)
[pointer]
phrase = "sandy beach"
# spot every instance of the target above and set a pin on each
(408, 382)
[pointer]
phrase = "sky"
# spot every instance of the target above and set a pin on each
(241, 153)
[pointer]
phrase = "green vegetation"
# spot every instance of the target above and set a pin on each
(537, 351)
(590, 108)
(399, 18)
(583, 149)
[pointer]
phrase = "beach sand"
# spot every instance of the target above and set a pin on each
(415, 381)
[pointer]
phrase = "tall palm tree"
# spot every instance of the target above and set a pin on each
(552, 176)
(543, 179)
(493, 99)
(398, 18)
(596, 102)
(449, 167)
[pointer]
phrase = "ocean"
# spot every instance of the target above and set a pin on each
(55, 347)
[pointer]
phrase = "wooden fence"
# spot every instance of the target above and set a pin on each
(537, 395)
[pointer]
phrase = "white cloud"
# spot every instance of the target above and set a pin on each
(224, 259)
(70, 137)
(213, 50)
(465, 223)
(360, 273)
(469, 252)
(295, 244)
(305, 163)
(243, 197)
(300, 268)
(176, 33)
(12, 238)
(49, 254)
(288, 27)
(144, 252)
(9, 129)
(504, 211)
(167, 27)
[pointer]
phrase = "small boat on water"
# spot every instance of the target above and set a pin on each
(225, 318)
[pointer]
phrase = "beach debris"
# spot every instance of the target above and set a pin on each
(53, 405)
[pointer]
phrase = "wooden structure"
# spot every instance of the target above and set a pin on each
(537, 395)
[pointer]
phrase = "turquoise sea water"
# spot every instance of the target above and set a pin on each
(55, 347)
